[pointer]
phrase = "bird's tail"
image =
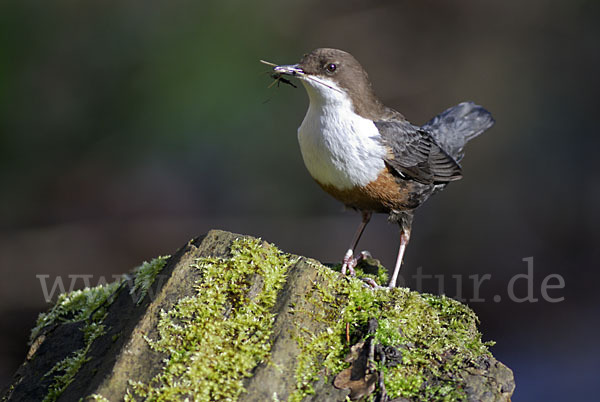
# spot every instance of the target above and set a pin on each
(454, 127)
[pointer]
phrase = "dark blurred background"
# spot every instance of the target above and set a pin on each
(127, 129)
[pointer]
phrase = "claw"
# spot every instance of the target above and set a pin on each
(349, 262)
(364, 255)
(371, 282)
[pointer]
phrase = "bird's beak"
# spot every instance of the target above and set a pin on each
(291, 69)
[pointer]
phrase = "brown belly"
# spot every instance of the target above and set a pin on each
(387, 193)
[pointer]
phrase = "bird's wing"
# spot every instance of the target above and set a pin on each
(414, 153)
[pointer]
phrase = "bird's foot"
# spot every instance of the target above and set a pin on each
(370, 283)
(350, 262)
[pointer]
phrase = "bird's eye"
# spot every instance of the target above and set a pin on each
(330, 68)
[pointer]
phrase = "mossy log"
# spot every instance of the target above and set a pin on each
(230, 317)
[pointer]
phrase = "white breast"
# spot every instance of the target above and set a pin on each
(339, 147)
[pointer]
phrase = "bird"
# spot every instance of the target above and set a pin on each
(368, 155)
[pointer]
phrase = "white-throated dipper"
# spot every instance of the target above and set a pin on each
(367, 155)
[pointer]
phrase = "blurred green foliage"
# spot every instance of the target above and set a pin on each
(106, 88)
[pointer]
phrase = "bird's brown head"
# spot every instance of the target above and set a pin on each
(327, 72)
(336, 63)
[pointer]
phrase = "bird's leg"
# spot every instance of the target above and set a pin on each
(349, 262)
(404, 237)
(405, 221)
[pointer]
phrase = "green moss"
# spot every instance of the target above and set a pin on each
(65, 370)
(89, 306)
(75, 306)
(436, 335)
(98, 398)
(214, 338)
(145, 275)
